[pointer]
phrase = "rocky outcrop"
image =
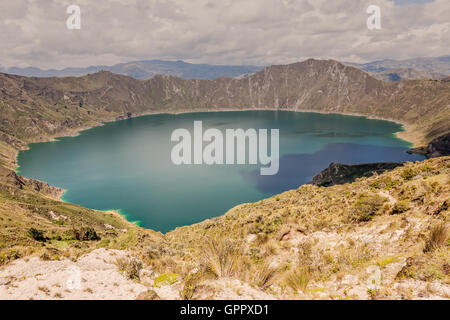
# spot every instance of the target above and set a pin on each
(338, 173)
(123, 117)
(10, 179)
(439, 147)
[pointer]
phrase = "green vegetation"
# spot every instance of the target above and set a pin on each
(166, 279)
(367, 206)
(85, 234)
(400, 207)
(36, 234)
(190, 286)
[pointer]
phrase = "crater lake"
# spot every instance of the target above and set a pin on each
(126, 165)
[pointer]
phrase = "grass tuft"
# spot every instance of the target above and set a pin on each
(221, 257)
(437, 238)
(298, 279)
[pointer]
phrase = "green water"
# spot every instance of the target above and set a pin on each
(126, 165)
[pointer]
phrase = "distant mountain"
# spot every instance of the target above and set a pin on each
(399, 74)
(144, 70)
(397, 70)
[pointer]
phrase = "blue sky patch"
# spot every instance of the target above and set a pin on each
(406, 2)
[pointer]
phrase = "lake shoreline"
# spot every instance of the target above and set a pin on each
(76, 131)
(286, 115)
(404, 135)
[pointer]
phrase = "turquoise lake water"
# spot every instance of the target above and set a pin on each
(126, 165)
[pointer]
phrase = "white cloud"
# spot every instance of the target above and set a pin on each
(33, 32)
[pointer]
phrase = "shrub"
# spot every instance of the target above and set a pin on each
(85, 234)
(400, 207)
(166, 279)
(9, 255)
(36, 234)
(437, 238)
(408, 173)
(148, 295)
(131, 267)
(90, 234)
(366, 207)
(384, 182)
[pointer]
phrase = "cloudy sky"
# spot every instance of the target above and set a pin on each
(261, 32)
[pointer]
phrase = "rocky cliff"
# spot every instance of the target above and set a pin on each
(437, 148)
(338, 173)
(10, 179)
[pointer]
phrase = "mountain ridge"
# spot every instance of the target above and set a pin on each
(38, 109)
(416, 68)
(143, 69)
(389, 70)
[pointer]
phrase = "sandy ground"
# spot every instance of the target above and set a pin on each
(93, 276)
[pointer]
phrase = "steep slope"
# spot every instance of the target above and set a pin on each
(33, 220)
(383, 237)
(318, 242)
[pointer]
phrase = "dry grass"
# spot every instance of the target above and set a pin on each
(131, 267)
(221, 257)
(437, 238)
(190, 286)
(298, 279)
(264, 275)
